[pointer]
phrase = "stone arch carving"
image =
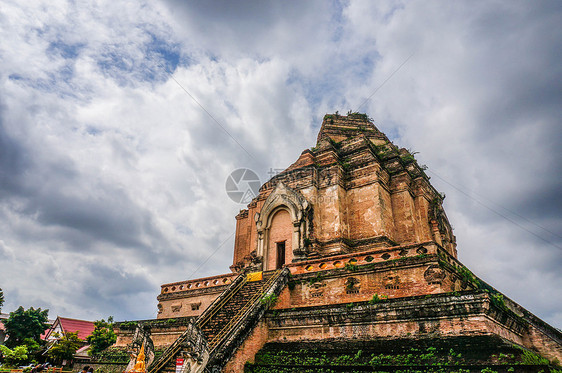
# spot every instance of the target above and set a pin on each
(283, 198)
(434, 275)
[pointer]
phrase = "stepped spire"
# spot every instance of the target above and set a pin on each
(338, 127)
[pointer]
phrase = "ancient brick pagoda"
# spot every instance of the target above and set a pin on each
(351, 245)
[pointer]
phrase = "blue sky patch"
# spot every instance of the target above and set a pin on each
(66, 51)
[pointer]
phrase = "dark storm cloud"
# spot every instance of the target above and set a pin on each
(517, 48)
(246, 25)
(13, 161)
(102, 213)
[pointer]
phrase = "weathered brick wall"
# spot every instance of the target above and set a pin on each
(547, 346)
(243, 236)
(438, 315)
(417, 276)
(367, 216)
(191, 297)
(163, 332)
(469, 313)
(249, 348)
(328, 213)
(187, 305)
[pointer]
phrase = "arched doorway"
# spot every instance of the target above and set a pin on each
(282, 226)
(280, 240)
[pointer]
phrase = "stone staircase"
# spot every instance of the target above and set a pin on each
(249, 290)
(214, 336)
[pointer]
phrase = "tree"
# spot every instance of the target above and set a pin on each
(1, 299)
(33, 347)
(24, 324)
(102, 337)
(13, 356)
(65, 347)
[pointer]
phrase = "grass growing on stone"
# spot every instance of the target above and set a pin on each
(439, 358)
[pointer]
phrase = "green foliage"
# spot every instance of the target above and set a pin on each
(453, 354)
(128, 325)
(268, 300)
(1, 299)
(65, 347)
(384, 151)
(336, 145)
(102, 337)
(351, 267)
(315, 279)
(407, 158)
(497, 300)
(33, 347)
(114, 355)
(24, 324)
(467, 276)
(429, 356)
(346, 166)
(377, 298)
(159, 323)
(14, 356)
(358, 115)
(531, 358)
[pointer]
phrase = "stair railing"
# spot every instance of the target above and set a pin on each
(195, 327)
(240, 315)
(222, 299)
(192, 337)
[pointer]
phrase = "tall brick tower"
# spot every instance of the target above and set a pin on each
(349, 245)
(354, 191)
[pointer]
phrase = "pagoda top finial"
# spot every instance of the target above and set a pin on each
(340, 127)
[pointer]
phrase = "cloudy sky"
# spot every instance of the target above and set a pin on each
(120, 122)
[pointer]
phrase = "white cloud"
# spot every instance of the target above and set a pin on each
(112, 174)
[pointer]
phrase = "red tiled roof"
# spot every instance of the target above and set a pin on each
(84, 328)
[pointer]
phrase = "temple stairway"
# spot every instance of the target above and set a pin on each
(208, 340)
(213, 326)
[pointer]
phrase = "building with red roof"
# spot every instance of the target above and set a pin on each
(65, 325)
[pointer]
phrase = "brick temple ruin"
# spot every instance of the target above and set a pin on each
(348, 249)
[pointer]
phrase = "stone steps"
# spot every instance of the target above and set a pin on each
(232, 307)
